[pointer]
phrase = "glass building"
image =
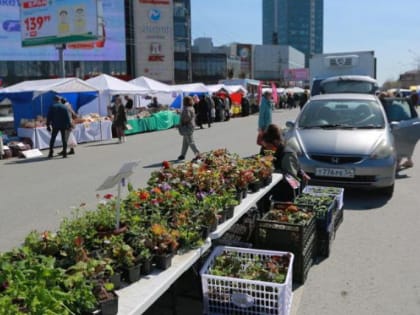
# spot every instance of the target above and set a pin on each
(182, 41)
(298, 23)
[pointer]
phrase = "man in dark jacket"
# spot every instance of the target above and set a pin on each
(58, 117)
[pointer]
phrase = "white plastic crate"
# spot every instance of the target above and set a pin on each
(337, 191)
(226, 295)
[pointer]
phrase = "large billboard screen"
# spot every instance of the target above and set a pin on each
(46, 22)
(110, 45)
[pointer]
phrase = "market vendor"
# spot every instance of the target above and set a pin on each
(154, 103)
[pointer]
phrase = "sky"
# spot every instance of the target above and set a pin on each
(390, 28)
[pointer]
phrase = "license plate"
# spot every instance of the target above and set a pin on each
(334, 172)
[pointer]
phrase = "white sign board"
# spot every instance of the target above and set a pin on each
(154, 39)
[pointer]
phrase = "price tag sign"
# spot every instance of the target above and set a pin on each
(47, 22)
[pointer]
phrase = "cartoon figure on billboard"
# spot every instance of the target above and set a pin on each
(79, 20)
(63, 22)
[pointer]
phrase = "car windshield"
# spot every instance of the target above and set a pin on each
(342, 113)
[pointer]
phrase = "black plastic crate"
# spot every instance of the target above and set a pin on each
(283, 236)
(324, 240)
(323, 219)
(303, 261)
(339, 218)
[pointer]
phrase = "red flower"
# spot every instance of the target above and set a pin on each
(144, 195)
(108, 196)
(166, 164)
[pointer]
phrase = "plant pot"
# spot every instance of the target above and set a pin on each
(221, 217)
(229, 212)
(239, 196)
(204, 231)
(146, 266)
(163, 261)
(110, 306)
(115, 279)
(244, 192)
(266, 181)
(213, 226)
(132, 274)
(254, 186)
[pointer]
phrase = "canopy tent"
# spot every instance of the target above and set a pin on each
(215, 88)
(244, 82)
(163, 92)
(108, 86)
(33, 98)
(294, 89)
(152, 85)
(191, 88)
(236, 89)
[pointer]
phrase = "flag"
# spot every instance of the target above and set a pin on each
(259, 93)
(274, 89)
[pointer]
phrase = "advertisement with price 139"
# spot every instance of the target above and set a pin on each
(47, 22)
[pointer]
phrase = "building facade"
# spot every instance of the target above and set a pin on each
(297, 23)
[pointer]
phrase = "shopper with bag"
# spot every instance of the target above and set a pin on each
(186, 128)
(70, 138)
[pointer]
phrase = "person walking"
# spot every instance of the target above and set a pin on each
(119, 119)
(186, 128)
(59, 119)
(264, 116)
(70, 138)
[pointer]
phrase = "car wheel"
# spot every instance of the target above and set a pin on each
(387, 191)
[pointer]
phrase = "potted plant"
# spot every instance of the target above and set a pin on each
(123, 258)
(165, 244)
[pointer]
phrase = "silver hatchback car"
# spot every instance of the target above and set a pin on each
(345, 140)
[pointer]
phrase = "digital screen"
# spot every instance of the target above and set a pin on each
(110, 46)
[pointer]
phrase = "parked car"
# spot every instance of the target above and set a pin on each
(345, 140)
(405, 124)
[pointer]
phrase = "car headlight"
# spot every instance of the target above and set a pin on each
(383, 150)
(294, 145)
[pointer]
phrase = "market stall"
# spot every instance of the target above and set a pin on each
(109, 86)
(150, 122)
(99, 130)
(32, 99)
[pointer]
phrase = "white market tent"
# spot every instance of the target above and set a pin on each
(108, 86)
(64, 85)
(152, 85)
(190, 88)
(236, 89)
(162, 91)
(293, 90)
(214, 88)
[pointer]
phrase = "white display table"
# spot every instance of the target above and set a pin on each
(139, 296)
(86, 132)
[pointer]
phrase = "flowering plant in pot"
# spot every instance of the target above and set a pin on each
(165, 244)
(123, 259)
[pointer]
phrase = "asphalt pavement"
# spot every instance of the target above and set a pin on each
(373, 266)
